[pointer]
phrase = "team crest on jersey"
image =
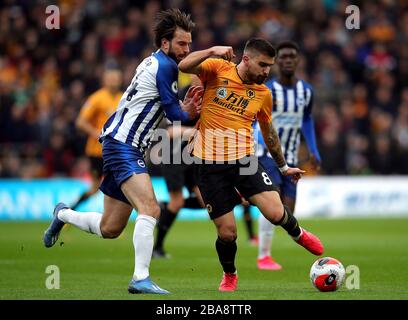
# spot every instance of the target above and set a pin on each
(221, 93)
(141, 163)
(174, 87)
(250, 93)
(300, 101)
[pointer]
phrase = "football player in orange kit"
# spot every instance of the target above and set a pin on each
(223, 145)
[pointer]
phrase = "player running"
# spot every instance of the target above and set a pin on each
(234, 97)
(291, 114)
(151, 95)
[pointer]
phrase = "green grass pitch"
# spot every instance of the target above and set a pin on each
(92, 268)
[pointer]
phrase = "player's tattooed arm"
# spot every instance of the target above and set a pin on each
(272, 141)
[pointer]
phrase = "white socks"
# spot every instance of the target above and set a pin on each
(143, 243)
(266, 231)
(142, 236)
(86, 221)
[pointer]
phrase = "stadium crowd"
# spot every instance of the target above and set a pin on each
(360, 76)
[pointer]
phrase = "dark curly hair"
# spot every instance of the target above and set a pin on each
(166, 23)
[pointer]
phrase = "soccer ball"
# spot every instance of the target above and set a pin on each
(327, 274)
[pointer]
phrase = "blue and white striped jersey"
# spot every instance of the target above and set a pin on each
(291, 106)
(153, 91)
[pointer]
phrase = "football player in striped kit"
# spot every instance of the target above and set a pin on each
(291, 115)
(126, 135)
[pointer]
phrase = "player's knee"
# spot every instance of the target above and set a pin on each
(176, 202)
(276, 213)
(110, 232)
(176, 205)
(228, 237)
(152, 209)
(228, 233)
(156, 211)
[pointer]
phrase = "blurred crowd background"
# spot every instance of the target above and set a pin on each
(360, 76)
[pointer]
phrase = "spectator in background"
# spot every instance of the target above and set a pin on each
(58, 159)
(400, 133)
(11, 165)
(381, 157)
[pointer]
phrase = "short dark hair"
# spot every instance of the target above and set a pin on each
(166, 23)
(261, 46)
(287, 44)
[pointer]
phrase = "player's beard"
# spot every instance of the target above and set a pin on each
(172, 54)
(260, 79)
(253, 78)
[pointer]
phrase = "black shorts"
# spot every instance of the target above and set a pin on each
(218, 184)
(179, 175)
(96, 166)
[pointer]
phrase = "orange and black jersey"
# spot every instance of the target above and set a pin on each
(96, 110)
(229, 108)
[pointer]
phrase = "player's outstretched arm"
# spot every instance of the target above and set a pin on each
(192, 63)
(272, 142)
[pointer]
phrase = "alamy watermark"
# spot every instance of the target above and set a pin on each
(352, 277)
(214, 146)
(353, 20)
(53, 280)
(53, 17)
